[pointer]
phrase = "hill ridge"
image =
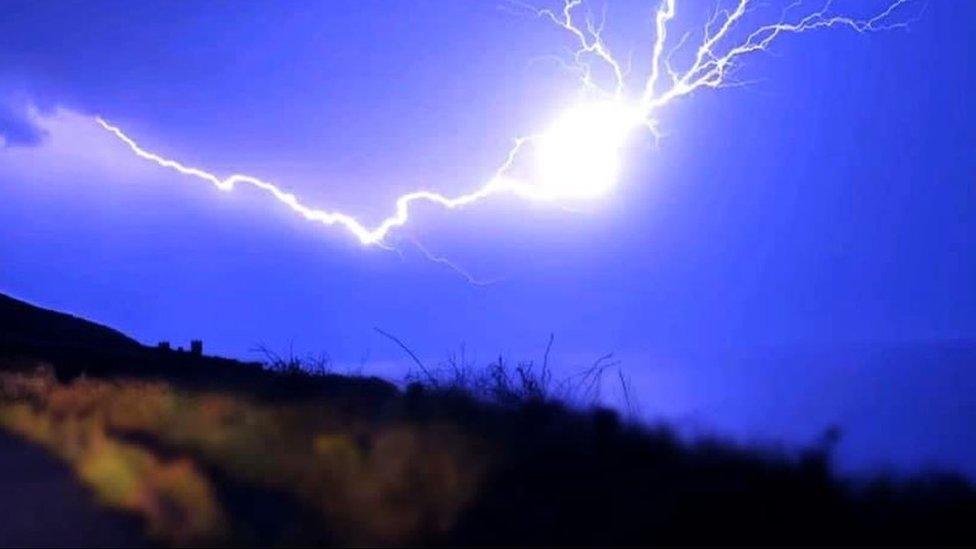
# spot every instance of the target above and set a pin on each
(24, 323)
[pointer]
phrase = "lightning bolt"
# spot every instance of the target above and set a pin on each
(366, 235)
(430, 256)
(713, 62)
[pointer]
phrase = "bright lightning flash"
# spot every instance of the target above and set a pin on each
(579, 155)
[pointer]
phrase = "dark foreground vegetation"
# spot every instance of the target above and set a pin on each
(210, 451)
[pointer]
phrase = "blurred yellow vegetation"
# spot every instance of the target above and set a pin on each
(148, 448)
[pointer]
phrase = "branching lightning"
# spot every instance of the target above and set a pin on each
(578, 156)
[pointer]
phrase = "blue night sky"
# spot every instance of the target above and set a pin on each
(793, 253)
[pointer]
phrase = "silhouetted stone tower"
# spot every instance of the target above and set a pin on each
(196, 347)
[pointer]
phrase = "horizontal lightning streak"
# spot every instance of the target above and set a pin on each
(366, 235)
(709, 69)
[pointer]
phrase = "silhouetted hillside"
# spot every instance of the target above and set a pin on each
(204, 450)
(24, 324)
(74, 346)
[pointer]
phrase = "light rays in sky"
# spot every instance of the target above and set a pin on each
(579, 155)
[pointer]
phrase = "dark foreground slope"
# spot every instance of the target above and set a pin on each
(43, 505)
(204, 450)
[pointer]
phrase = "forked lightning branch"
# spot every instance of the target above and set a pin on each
(578, 156)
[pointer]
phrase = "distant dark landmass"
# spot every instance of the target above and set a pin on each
(199, 450)
(26, 325)
(76, 346)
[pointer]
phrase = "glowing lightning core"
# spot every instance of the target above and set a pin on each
(578, 156)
